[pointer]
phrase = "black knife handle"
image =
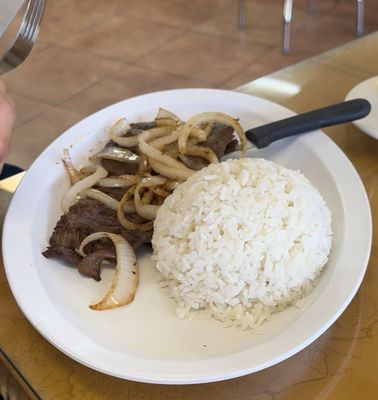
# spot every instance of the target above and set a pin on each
(346, 111)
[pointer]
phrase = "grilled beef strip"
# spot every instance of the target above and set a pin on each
(90, 265)
(84, 218)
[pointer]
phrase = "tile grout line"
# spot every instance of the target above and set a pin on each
(130, 64)
(246, 66)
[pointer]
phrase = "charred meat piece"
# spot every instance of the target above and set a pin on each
(84, 218)
(117, 168)
(90, 265)
(138, 127)
(219, 139)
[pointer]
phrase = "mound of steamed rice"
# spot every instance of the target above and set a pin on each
(241, 240)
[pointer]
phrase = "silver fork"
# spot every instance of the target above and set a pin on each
(18, 40)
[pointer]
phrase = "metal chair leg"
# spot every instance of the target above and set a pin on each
(310, 6)
(287, 13)
(360, 17)
(242, 14)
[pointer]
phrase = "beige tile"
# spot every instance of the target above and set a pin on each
(62, 19)
(263, 22)
(130, 82)
(54, 75)
(31, 138)
(206, 57)
(270, 61)
(326, 32)
(347, 9)
(123, 39)
(179, 13)
(86, 7)
(39, 46)
(27, 109)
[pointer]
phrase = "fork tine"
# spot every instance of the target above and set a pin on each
(33, 18)
(35, 25)
(25, 21)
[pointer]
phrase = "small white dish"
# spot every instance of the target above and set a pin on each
(368, 90)
(145, 341)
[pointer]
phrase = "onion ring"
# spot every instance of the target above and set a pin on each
(165, 140)
(121, 181)
(72, 171)
(125, 281)
(127, 224)
(120, 128)
(71, 195)
(101, 197)
(169, 172)
(116, 153)
(155, 133)
(165, 117)
(159, 192)
(206, 117)
(147, 211)
(151, 152)
(87, 170)
(172, 185)
(203, 152)
(147, 197)
(199, 134)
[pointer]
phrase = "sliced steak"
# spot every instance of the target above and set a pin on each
(63, 252)
(220, 137)
(221, 140)
(90, 265)
(84, 218)
(118, 168)
(138, 127)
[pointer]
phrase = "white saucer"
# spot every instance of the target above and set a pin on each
(368, 90)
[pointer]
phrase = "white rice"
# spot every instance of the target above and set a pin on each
(241, 240)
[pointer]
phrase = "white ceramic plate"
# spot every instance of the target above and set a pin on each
(368, 90)
(145, 341)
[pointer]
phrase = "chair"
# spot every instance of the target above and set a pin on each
(287, 17)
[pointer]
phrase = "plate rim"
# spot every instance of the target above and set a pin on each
(353, 94)
(164, 379)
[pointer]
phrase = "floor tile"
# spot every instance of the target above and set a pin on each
(62, 19)
(122, 39)
(263, 23)
(270, 61)
(209, 58)
(179, 13)
(329, 31)
(31, 138)
(26, 109)
(130, 82)
(54, 75)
